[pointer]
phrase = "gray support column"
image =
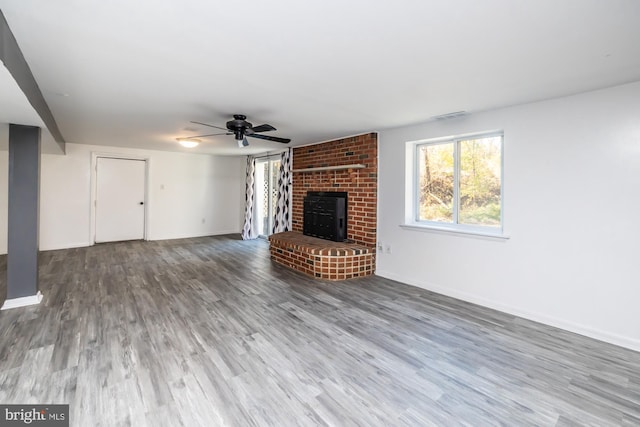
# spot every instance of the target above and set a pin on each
(24, 195)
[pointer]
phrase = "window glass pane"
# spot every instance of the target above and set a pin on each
(275, 175)
(435, 181)
(480, 165)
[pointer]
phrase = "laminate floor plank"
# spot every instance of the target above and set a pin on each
(209, 332)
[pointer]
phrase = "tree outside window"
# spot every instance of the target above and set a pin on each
(460, 181)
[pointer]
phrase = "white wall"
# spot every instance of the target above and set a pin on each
(196, 186)
(571, 207)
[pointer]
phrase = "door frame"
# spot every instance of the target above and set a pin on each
(94, 188)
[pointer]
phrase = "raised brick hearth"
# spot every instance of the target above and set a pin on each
(323, 258)
(320, 258)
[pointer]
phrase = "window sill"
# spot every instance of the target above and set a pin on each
(498, 235)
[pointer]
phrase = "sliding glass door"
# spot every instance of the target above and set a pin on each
(266, 194)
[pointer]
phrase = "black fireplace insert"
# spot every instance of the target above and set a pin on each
(325, 215)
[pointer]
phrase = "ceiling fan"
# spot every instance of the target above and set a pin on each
(241, 129)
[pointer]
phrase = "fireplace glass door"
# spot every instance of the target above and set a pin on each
(267, 172)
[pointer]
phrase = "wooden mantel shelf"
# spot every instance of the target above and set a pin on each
(331, 168)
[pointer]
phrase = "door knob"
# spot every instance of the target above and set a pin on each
(142, 203)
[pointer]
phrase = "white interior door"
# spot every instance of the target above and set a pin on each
(120, 188)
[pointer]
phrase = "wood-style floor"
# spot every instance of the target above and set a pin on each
(208, 332)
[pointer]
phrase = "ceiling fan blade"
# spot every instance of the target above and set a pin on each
(206, 124)
(209, 134)
(270, 138)
(263, 128)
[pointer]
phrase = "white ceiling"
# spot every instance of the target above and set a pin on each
(136, 72)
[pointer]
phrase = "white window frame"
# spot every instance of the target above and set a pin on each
(412, 213)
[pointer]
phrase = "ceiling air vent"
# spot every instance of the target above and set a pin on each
(453, 115)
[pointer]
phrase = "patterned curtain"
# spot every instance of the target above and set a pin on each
(249, 230)
(282, 220)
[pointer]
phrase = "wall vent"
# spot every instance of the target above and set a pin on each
(453, 115)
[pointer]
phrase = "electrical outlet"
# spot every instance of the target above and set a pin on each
(380, 247)
(387, 248)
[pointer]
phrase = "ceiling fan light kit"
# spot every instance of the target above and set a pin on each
(240, 128)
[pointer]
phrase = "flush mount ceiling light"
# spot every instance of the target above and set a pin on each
(188, 143)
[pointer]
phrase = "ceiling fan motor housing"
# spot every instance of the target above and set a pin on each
(239, 125)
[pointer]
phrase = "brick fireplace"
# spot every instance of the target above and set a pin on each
(345, 165)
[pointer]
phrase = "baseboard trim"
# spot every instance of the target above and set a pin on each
(151, 239)
(576, 328)
(22, 301)
(69, 246)
(209, 234)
